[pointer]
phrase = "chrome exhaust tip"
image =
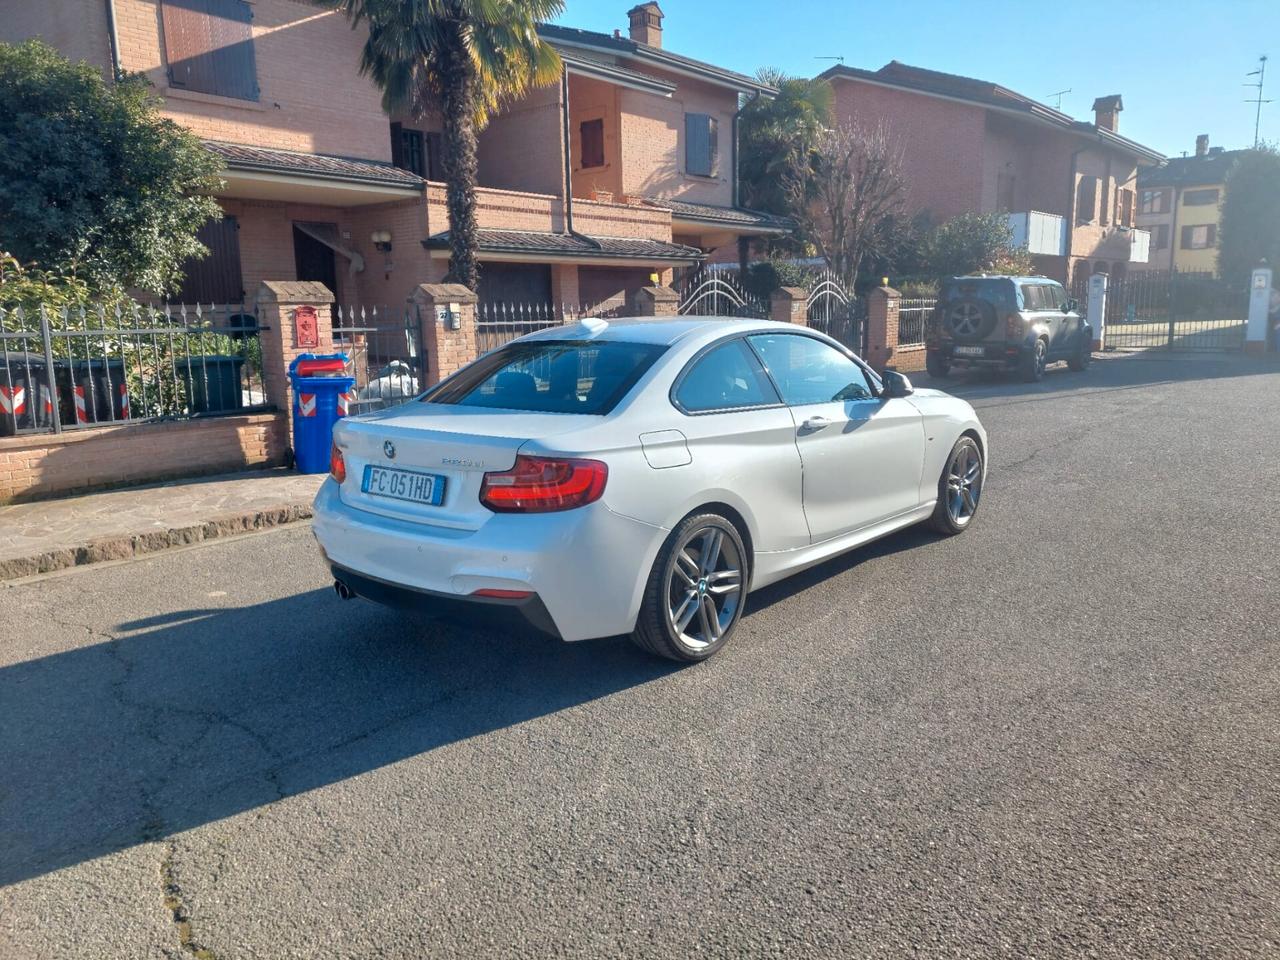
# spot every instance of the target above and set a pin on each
(342, 590)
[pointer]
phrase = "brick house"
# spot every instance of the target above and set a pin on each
(1180, 204)
(1068, 186)
(589, 186)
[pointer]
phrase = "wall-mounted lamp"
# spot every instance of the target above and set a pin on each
(381, 240)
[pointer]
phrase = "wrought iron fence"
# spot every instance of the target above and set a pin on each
(718, 293)
(500, 322)
(1171, 310)
(386, 357)
(70, 368)
(834, 310)
(913, 320)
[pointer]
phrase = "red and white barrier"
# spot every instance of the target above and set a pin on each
(13, 400)
(124, 402)
(82, 415)
(344, 403)
(46, 401)
(306, 404)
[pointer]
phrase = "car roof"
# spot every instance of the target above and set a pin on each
(664, 331)
(1005, 276)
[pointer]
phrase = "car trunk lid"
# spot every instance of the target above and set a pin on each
(456, 443)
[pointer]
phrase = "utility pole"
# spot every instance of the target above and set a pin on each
(1058, 97)
(1261, 74)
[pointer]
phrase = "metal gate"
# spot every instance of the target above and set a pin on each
(383, 344)
(835, 311)
(718, 294)
(1172, 310)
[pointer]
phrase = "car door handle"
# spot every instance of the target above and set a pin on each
(816, 423)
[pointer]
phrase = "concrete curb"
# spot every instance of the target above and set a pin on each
(125, 546)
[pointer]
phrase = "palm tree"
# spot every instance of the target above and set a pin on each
(778, 137)
(466, 56)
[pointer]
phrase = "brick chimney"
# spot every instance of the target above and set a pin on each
(1106, 112)
(646, 24)
(1202, 145)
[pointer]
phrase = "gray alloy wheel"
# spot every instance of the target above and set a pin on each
(966, 320)
(696, 591)
(704, 586)
(959, 488)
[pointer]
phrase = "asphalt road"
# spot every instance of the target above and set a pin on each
(1055, 736)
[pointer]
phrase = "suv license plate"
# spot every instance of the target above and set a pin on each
(968, 351)
(408, 485)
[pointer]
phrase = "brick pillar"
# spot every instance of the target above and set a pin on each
(278, 302)
(564, 285)
(789, 305)
(882, 326)
(656, 301)
(447, 350)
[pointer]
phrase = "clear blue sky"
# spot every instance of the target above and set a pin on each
(1180, 64)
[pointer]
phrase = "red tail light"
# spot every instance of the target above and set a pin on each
(1013, 327)
(337, 465)
(544, 484)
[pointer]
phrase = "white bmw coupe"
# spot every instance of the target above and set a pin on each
(639, 477)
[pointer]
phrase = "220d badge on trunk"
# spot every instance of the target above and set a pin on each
(639, 477)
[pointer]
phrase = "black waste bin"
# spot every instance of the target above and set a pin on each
(213, 383)
(93, 390)
(26, 399)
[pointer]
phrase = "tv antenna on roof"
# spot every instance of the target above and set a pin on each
(1261, 74)
(841, 59)
(1058, 98)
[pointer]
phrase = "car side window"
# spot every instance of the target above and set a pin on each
(725, 378)
(1031, 296)
(807, 370)
(1054, 296)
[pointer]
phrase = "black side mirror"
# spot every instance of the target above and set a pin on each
(896, 385)
(1070, 305)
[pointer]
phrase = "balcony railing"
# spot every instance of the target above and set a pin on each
(544, 213)
(1039, 233)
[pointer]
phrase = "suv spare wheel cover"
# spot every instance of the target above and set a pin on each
(970, 318)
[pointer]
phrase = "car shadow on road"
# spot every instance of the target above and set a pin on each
(203, 714)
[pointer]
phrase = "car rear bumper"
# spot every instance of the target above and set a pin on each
(586, 567)
(488, 611)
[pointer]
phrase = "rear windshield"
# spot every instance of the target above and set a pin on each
(550, 376)
(998, 292)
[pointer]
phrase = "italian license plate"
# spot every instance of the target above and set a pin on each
(408, 485)
(968, 351)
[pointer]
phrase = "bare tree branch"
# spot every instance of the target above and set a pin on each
(859, 193)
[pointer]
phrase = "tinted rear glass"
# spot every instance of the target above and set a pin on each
(551, 376)
(997, 292)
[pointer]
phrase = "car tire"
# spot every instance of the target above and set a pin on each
(1034, 362)
(1080, 362)
(702, 567)
(959, 488)
(936, 366)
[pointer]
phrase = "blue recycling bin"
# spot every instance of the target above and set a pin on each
(320, 388)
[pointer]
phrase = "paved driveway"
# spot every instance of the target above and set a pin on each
(1057, 735)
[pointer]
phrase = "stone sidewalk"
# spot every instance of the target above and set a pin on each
(49, 535)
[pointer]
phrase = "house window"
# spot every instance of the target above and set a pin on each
(407, 150)
(700, 145)
(1160, 237)
(591, 144)
(1087, 199)
(1201, 237)
(1005, 183)
(1154, 201)
(435, 156)
(1124, 208)
(1200, 198)
(209, 47)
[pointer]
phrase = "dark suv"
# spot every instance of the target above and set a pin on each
(1010, 323)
